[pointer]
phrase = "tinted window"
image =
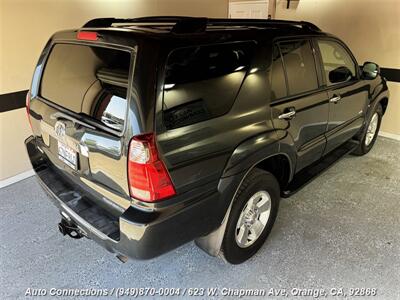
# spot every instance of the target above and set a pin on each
(336, 58)
(300, 66)
(278, 81)
(88, 80)
(202, 82)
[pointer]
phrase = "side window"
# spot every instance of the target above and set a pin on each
(202, 82)
(300, 67)
(278, 81)
(338, 65)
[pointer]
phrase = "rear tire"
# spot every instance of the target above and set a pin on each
(252, 216)
(370, 132)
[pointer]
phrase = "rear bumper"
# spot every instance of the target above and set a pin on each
(135, 233)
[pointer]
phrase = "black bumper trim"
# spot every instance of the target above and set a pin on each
(136, 233)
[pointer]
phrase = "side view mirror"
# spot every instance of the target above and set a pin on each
(370, 70)
(340, 74)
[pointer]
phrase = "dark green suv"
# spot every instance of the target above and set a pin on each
(149, 133)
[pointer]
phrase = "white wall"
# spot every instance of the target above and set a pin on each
(26, 25)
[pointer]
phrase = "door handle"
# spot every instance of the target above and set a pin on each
(291, 112)
(335, 99)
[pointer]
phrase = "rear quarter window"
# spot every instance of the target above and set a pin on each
(277, 76)
(202, 82)
(88, 80)
(298, 60)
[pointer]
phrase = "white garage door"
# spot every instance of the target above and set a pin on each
(249, 9)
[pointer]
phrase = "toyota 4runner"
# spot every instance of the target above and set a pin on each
(152, 132)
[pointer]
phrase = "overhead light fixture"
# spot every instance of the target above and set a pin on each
(288, 3)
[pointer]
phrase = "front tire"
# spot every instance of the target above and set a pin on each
(252, 216)
(370, 133)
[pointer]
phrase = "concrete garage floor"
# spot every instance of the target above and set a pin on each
(340, 231)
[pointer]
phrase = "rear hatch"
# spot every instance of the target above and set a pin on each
(79, 115)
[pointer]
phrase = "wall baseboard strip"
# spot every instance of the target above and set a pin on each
(16, 178)
(390, 135)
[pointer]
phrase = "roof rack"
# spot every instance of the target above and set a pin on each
(196, 24)
(263, 23)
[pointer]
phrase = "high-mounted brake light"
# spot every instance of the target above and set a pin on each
(28, 107)
(87, 35)
(147, 176)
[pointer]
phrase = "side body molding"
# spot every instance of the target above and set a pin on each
(244, 158)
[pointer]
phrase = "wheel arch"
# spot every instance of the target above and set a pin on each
(257, 149)
(278, 165)
(229, 186)
(380, 95)
(384, 103)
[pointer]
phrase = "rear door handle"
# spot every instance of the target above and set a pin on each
(335, 99)
(291, 112)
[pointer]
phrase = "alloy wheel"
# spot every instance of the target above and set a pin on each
(253, 219)
(371, 131)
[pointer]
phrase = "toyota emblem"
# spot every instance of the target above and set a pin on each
(59, 128)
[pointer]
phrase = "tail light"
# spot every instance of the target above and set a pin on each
(148, 178)
(28, 107)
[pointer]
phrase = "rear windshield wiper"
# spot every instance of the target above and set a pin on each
(61, 115)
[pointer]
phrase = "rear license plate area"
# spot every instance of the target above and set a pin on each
(67, 155)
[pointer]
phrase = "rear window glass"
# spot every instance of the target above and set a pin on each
(91, 81)
(202, 82)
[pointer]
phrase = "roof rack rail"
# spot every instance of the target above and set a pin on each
(180, 24)
(107, 22)
(198, 24)
(263, 22)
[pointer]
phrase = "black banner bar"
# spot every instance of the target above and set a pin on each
(391, 74)
(12, 101)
